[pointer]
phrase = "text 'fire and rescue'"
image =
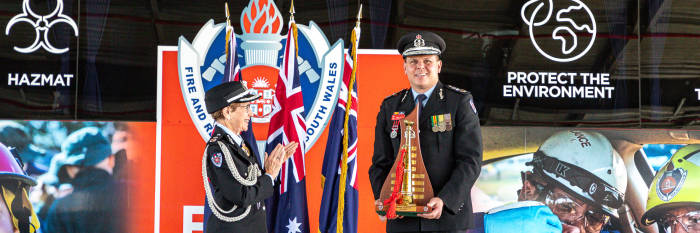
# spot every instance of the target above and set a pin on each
(197, 104)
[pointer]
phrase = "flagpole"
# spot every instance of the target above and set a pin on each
(293, 29)
(291, 12)
(344, 163)
(228, 27)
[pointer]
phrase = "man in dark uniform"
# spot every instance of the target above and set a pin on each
(234, 185)
(97, 201)
(450, 138)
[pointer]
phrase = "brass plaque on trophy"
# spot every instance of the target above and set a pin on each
(408, 194)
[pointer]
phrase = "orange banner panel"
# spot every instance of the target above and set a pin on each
(181, 189)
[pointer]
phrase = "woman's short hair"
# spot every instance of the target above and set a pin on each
(219, 114)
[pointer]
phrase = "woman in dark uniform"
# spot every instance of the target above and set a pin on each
(234, 182)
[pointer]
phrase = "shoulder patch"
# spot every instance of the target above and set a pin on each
(457, 89)
(217, 159)
(471, 102)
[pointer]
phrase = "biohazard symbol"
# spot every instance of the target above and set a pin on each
(42, 24)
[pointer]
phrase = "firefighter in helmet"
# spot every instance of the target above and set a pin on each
(16, 212)
(674, 195)
(580, 176)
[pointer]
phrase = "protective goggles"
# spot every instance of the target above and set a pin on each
(600, 191)
(573, 212)
(690, 222)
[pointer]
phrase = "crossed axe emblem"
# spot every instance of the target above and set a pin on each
(42, 24)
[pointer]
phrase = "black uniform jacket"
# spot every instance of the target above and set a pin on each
(96, 205)
(228, 192)
(452, 158)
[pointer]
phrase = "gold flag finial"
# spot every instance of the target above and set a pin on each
(228, 21)
(226, 7)
(359, 14)
(291, 10)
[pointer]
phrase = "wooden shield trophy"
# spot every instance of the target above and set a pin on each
(407, 188)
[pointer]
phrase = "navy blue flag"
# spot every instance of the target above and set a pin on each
(328, 216)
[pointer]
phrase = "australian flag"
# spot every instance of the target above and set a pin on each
(328, 219)
(287, 211)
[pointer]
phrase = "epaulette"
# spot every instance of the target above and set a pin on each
(215, 137)
(457, 89)
(396, 93)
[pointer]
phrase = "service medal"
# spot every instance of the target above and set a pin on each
(395, 127)
(441, 123)
(397, 116)
(448, 121)
(434, 123)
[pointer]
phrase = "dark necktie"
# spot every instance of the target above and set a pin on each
(419, 101)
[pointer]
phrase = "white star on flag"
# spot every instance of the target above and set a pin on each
(293, 226)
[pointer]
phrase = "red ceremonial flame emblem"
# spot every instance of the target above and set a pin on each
(668, 184)
(418, 37)
(263, 18)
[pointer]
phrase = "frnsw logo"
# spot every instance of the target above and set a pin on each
(201, 65)
(574, 37)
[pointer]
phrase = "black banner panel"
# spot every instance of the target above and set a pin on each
(68, 59)
(117, 61)
(564, 63)
(670, 64)
(38, 55)
(552, 63)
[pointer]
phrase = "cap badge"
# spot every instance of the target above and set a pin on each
(419, 42)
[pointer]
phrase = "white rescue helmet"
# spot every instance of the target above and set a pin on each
(586, 165)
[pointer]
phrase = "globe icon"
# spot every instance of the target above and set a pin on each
(569, 22)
